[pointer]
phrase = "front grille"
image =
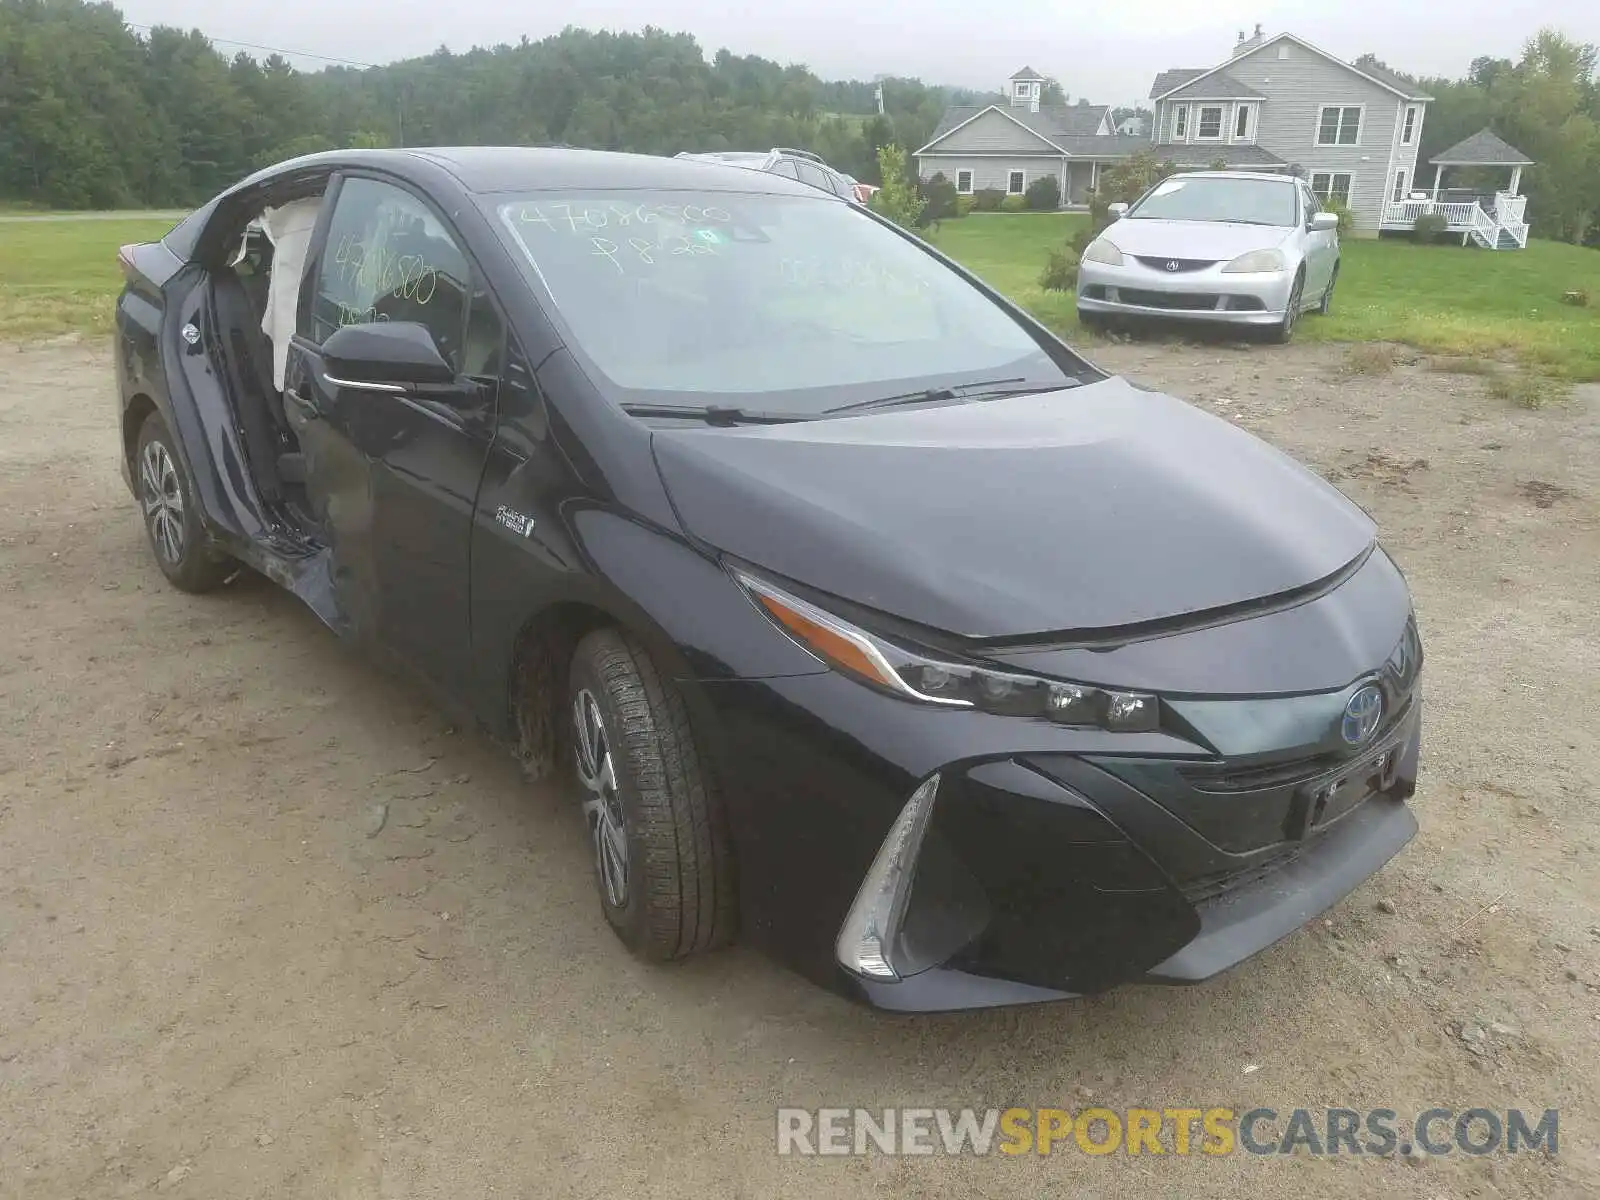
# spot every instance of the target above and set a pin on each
(1230, 777)
(1221, 883)
(1178, 301)
(1177, 265)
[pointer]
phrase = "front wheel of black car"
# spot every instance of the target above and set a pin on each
(177, 538)
(652, 814)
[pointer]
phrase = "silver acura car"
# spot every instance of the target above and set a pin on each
(1221, 246)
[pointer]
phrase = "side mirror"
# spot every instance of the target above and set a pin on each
(394, 353)
(1117, 210)
(1322, 222)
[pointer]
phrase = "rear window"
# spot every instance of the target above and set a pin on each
(789, 303)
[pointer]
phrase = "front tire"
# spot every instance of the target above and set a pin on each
(178, 540)
(662, 859)
(1326, 305)
(1283, 333)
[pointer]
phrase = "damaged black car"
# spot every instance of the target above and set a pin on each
(873, 623)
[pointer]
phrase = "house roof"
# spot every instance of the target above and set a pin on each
(1483, 149)
(1204, 156)
(1170, 81)
(1052, 122)
(1218, 85)
(1116, 145)
(1027, 73)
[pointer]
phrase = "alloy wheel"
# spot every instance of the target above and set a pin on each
(602, 808)
(163, 501)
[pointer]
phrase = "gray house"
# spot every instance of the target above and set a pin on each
(1279, 103)
(1007, 145)
(1275, 104)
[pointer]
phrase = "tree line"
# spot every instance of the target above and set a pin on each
(95, 115)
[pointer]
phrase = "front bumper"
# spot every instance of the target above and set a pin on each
(1209, 294)
(1056, 862)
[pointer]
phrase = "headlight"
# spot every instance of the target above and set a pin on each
(1102, 251)
(921, 679)
(1257, 262)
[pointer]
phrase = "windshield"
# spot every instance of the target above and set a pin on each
(786, 304)
(1245, 201)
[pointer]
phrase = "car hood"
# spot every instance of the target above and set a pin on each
(1084, 509)
(1192, 239)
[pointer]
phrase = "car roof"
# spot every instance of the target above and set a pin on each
(526, 168)
(490, 169)
(1263, 176)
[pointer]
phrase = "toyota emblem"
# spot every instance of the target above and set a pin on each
(1173, 264)
(1362, 714)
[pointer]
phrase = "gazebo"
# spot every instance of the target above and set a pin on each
(1494, 220)
(1483, 149)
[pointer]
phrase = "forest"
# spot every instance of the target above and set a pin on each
(96, 114)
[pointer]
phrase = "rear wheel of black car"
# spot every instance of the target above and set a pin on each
(171, 521)
(653, 816)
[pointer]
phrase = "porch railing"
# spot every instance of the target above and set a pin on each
(1485, 219)
(1406, 212)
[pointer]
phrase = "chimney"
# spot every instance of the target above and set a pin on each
(1246, 44)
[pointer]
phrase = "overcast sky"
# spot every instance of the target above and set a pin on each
(1105, 52)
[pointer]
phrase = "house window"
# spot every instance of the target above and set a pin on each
(1408, 131)
(1210, 129)
(1338, 126)
(1241, 122)
(1399, 186)
(1331, 187)
(1014, 183)
(964, 183)
(1180, 122)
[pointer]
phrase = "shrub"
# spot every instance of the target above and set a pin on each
(939, 197)
(1369, 358)
(1060, 271)
(1342, 211)
(1014, 204)
(1044, 194)
(1526, 389)
(897, 199)
(987, 199)
(964, 205)
(1429, 227)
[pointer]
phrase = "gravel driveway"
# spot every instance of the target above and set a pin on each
(270, 927)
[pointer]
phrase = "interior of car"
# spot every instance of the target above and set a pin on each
(387, 258)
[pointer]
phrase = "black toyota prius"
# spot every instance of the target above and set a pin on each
(871, 622)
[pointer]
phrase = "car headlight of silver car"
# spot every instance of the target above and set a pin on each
(1102, 251)
(923, 679)
(1257, 262)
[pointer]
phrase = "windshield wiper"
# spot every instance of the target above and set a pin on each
(713, 414)
(993, 389)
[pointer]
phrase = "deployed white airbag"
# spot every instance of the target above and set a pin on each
(289, 229)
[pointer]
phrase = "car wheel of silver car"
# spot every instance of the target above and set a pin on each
(1326, 306)
(653, 819)
(178, 540)
(1284, 332)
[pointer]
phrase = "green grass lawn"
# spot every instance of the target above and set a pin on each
(62, 276)
(1501, 304)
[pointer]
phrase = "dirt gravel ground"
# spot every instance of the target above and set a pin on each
(269, 927)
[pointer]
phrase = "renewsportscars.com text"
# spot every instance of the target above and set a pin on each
(1177, 1130)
